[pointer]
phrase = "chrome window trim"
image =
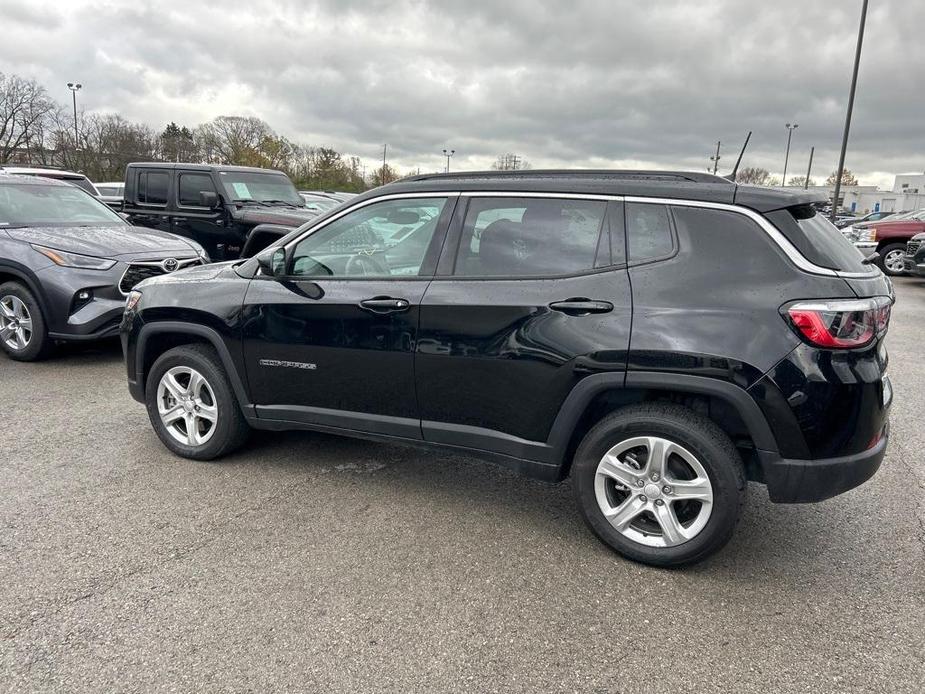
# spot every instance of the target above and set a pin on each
(782, 242)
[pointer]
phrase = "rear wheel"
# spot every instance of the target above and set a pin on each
(22, 328)
(660, 484)
(892, 259)
(192, 406)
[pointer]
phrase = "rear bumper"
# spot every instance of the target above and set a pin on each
(801, 481)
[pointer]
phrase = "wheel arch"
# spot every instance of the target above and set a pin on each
(15, 273)
(154, 339)
(727, 404)
(261, 236)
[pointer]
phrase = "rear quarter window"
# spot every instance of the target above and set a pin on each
(817, 239)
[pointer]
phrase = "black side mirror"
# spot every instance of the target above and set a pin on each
(272, 262)
(208, 198)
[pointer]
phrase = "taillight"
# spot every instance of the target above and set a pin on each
(840, 323)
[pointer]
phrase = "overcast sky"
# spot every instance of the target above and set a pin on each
(597, 83)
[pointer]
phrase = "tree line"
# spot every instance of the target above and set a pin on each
(39, 131)
(752, 175)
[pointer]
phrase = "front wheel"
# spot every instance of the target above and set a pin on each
(892, 259)
(22, 327)
(192, 405)
(659, 483)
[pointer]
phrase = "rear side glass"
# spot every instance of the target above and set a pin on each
(824, 244)
(152, 187)
(648, 232)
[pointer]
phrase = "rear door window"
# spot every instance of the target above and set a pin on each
(152, 187)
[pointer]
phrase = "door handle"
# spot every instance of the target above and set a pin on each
(385, 304)
(581, 306)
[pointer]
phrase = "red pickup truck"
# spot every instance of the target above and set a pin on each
(889, 240)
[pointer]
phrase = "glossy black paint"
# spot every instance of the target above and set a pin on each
(494, 366)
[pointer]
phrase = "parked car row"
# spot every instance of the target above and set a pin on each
(887, 239)
(559, 323)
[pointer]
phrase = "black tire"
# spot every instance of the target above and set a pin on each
(881, 259)
(230, 429)
(703, 439)
(39, 344)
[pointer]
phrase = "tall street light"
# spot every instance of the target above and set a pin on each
(790, 129)
(854, 84)
(74, 88)
(448, 153)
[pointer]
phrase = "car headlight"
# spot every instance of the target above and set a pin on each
(65, 259)
(132, 300)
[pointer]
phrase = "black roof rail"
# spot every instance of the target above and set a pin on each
(599, 174)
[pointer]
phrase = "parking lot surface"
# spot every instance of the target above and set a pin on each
(315, 563)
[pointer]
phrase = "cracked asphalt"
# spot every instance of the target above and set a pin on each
(313, 563)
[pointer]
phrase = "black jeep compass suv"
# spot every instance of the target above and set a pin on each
(660, 337)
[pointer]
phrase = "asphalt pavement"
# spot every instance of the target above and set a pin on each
(308, 562)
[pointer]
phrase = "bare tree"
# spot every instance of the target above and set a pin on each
(234, 140)
(800, 181)
(25, 108)
(752, 175)
(510, 162)
(847, 178)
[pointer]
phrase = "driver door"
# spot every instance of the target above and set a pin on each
(332, 342)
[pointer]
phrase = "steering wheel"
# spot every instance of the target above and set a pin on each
(365, 265)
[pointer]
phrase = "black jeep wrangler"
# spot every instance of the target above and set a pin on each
(660, 337)
(232, 211)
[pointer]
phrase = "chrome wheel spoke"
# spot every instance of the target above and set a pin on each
(172, 415)
(207, 412)
(21, 340)
(195, 385)
(173, 386)
(697, 489)
(6, 308)
(192, 430)
(672, 531)
(622, 515)
(659, 450)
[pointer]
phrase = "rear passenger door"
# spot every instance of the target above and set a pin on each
(148, 207)
(531, 295)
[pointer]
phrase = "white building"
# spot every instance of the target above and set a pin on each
(908, 193)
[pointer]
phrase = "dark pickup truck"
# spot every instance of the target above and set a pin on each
(232, 211)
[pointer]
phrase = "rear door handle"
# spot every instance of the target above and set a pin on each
(581, 306)
(385, 304)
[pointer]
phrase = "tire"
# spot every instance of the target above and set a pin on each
(28, 339)
(887, 254)
(695, 447)
(218, 426)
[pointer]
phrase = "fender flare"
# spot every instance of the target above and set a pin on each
(589, 387)
(202, 331)
(32, 283)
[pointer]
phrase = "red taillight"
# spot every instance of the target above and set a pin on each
(841, 323)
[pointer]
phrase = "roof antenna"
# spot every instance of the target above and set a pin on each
(735, 169)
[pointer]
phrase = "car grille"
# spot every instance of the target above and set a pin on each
(136, 272)
(912, 247)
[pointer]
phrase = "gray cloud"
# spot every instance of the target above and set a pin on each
(587, 83)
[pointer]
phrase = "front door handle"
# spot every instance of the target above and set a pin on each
(385, 304)
(581, 306)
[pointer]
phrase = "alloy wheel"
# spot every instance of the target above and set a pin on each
(186, 405)
(653, 491)
(15, 322)
(894, 261)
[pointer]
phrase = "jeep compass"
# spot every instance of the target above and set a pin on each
(659, 337)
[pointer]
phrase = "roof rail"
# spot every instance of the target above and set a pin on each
(621, 174)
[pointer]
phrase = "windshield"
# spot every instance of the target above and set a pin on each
(273, 188)
(49, 205)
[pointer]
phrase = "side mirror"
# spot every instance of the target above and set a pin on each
(208, 198)
(272, 263)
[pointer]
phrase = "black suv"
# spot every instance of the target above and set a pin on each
(232, 211)
(662, 337)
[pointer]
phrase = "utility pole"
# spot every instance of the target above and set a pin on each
(448, 153)
(715, 159)
(809, 169)
(385, 148)
(790, 129)
(74, 88)
(854, 84)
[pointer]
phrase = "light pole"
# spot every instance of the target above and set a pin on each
(854, 84)
(790, 129)
(809, 169)
(74, 88)
(448, 153)
(715, 159)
